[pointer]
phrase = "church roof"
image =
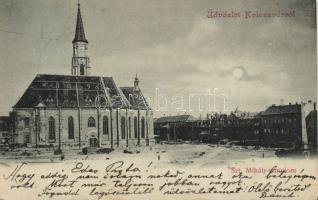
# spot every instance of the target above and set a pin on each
(135, 97)
(52, 91)
(79, 31)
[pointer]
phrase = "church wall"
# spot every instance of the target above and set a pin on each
(86, 132)
(24, 130)
(65, 114)
(104, 138)
(45, 131)
(133, 140)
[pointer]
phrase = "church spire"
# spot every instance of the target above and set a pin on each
(80, 60)
(136, 83)
(79, 31)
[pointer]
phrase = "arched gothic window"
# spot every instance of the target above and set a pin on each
(123, 128)
(105, 125)
(143, 127)
(129, 127)
(51, 128)
(91, 122)
(82, 70)
(135, 127)
(70, 128)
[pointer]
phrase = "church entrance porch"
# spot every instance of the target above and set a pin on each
(93, 142)
(27, 139)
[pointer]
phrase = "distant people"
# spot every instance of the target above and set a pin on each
(158, 157)
(62, 156)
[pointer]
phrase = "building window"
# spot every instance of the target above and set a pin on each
(51, 128)
(135, 127)
(143, 127)
(70, 128)
(82, 69)
(27, 139)
(129, 128)
(105, 125)
(91, 122)
(26, 122)
(123, 126)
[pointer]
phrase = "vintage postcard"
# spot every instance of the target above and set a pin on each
(158, 99)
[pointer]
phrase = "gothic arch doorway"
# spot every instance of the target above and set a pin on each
(93, 142)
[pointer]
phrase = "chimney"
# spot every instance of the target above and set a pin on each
(296, 103)
(289, 103)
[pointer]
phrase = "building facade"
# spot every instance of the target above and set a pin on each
(174, 128)
(292, 126)
(82, 110)
(285, 125)
(5, 129)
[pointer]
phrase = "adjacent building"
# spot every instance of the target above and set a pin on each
(179, 127)
(289, 126)
(5, 129)
(285, 125)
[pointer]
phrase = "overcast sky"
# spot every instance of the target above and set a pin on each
(172, 45)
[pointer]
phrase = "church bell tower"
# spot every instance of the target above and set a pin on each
(80, 60)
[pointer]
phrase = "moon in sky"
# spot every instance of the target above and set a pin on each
(238, 73)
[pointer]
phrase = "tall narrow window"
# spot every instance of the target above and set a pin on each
(26, 122)
(135, 127)
(27, 139)
(51, 128)
(70, 128)
(105, 125)
(82, 70)
(143, 127)
(91, 122)
(129, 128)
(123, 128)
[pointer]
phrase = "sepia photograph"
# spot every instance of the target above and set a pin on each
(158, 99)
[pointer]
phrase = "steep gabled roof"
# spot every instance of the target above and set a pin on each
(54, 91)
(135, 98)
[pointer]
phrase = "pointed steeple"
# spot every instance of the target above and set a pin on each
(136, 83)
(80, 60)
(79, 31)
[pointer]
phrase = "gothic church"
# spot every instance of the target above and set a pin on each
(80, 110)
